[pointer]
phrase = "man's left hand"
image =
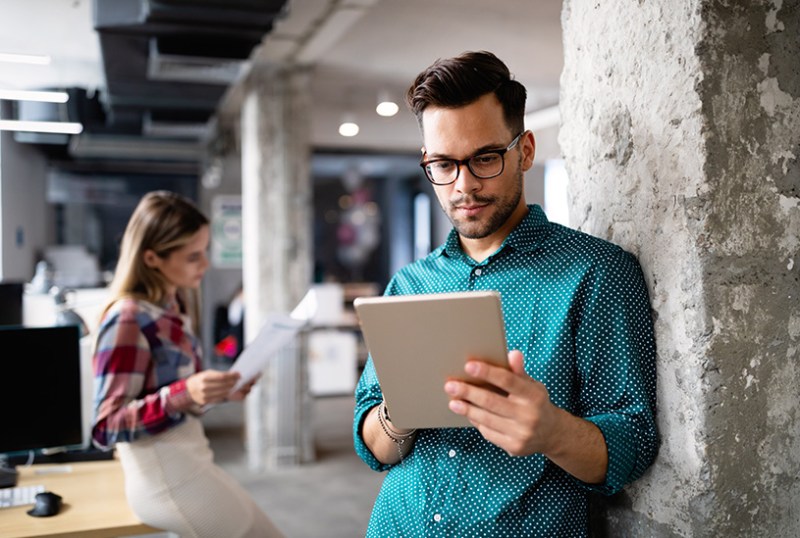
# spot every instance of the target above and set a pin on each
(522, 421)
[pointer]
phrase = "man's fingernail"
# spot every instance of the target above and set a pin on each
(457, 406)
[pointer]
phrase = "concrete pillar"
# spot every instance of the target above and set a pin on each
(681, 134)
(277, 259)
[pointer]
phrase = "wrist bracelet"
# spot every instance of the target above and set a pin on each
(396, 436)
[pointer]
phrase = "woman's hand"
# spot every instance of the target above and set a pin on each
(240, 394)
(211, 386)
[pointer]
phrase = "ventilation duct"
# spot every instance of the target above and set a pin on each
(166, 128)
(199, 69)
(87, 146)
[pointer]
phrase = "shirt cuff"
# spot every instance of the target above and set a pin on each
(361, 447)
(622, 452)
(179, 401)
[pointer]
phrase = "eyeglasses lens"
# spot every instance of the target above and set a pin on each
(484, 166)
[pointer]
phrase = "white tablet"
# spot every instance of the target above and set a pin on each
(417, 342)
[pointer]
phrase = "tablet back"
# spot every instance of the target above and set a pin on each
(417, 342)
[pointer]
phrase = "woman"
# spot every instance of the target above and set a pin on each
(150, 388)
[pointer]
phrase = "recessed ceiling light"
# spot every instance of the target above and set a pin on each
(348, 128)
(387, 108)
(386, 105)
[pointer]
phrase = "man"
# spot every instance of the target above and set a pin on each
(578, 411)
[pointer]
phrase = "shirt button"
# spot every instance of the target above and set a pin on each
(437, 517)
(478, 272)
(452, 453)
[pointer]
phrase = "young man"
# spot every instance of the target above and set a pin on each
(578, 411)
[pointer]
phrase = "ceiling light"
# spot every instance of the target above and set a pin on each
(59, 127)
(386, 107)
(348, 127)
(35, 59)
(40, 96)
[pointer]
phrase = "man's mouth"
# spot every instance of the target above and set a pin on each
(471, 208)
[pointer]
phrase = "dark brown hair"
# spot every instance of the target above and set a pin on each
(462, 80)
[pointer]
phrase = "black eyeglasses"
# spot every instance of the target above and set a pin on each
(483, 165)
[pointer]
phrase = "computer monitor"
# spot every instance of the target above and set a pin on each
(40, 390)
(11, 303)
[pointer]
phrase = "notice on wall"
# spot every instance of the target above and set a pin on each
(226, 231)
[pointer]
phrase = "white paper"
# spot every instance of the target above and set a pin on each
(278, 330)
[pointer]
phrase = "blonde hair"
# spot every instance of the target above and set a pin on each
(163, 221)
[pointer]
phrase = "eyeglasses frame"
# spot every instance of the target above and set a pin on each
(459, 162)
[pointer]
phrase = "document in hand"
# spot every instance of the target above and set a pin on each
(277, 331)
(417, 342)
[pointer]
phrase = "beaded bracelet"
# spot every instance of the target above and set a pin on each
(398, 438)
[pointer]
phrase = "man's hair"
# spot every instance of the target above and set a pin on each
(462, 80)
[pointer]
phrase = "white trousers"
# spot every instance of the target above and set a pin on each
(173, 484)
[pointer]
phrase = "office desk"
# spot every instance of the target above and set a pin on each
(94, 503)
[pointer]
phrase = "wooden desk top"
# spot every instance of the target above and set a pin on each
(94, 503)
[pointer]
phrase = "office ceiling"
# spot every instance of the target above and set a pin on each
(148, 78)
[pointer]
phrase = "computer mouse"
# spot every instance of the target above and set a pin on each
(47, 504)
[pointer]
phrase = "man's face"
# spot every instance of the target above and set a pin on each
(478, 208)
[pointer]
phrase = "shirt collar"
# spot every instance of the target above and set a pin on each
(171, 304)
(527, 236)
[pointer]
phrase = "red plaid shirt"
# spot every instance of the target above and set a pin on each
(143, 356)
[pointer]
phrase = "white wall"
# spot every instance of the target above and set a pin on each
(26, 220)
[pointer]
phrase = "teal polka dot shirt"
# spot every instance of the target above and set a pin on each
(578, 308)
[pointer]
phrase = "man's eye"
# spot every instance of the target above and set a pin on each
(485, 159)
(441, 166)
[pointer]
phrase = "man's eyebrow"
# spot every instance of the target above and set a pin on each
(482, 149)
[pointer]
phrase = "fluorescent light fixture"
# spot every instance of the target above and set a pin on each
(58, 127)
(35, 59)
(40, 96)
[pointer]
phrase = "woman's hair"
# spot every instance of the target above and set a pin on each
(462, 80)
(163, 221)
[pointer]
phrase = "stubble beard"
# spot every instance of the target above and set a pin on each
(473, 227)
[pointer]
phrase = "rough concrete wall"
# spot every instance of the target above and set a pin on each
(751, 105)
(680, 130)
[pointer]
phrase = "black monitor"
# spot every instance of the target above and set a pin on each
(40, 390)
(11, 303)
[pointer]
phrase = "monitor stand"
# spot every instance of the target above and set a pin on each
(8, 475)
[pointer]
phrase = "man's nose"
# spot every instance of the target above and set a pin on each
(466, 181)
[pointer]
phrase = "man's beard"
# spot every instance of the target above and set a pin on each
(474, 228)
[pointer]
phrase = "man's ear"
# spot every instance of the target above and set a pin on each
(528, 149)
(151, 259)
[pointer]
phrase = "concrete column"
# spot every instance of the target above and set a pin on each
(276, 215)
(681, 133)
